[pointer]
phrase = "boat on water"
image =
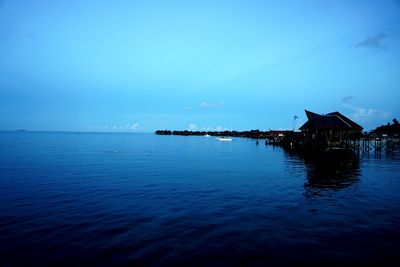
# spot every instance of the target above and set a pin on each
(223, 139)
(207, 135)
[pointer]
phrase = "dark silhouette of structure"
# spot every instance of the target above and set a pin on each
(330, 130)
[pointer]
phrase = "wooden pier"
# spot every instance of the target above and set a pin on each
(334, 134)
(377, 145)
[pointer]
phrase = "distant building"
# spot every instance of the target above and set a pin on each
(279, 133)
(331, 128)
(277, 136)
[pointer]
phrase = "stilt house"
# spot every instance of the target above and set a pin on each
(330, 129)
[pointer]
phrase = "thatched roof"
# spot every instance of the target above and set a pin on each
(333, 120)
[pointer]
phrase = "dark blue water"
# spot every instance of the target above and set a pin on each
(144, 200)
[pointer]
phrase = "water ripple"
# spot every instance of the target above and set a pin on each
(145, 200)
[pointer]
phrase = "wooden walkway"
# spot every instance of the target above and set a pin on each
(373, 145)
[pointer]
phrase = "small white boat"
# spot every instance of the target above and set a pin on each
(207, 135)
(223, 139)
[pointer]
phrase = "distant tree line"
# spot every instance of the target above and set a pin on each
(249, 134)
(389, 129)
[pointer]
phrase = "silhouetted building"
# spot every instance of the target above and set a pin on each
(330, 129)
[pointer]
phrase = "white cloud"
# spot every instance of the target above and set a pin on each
(206, 105)
(361, 114)
(366, 115)
(217, 128)
(125, 127)
(192, 127)
(134, 126)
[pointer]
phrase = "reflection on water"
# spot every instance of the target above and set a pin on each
(72, 199)
(333, 173)
(329, 171)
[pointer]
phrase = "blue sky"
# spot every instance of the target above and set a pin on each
(201, 65)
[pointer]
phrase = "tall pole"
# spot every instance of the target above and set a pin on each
(294, 121)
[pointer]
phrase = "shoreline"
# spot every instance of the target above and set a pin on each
(255, 134)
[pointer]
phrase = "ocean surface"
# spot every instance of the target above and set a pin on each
(97, 199)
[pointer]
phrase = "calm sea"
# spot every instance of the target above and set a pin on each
(86, 199)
